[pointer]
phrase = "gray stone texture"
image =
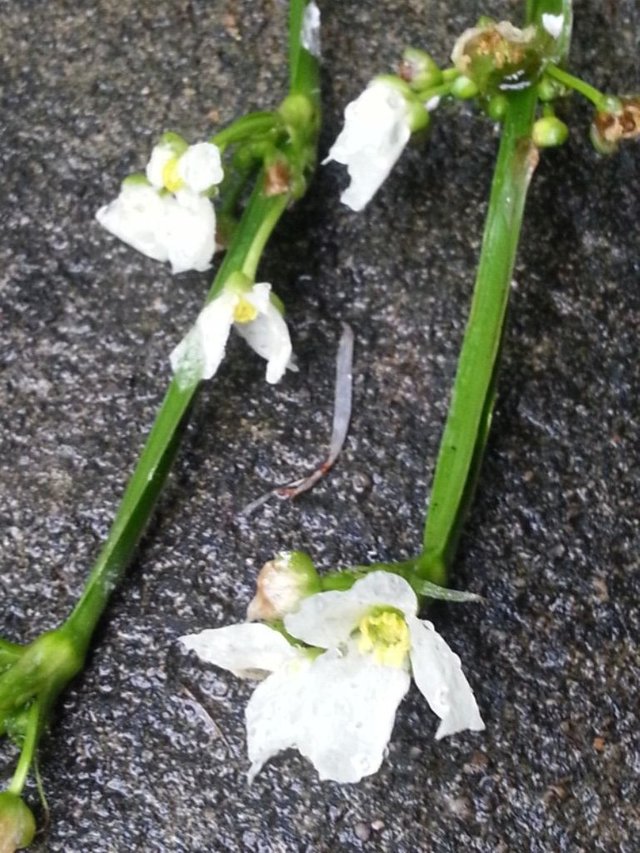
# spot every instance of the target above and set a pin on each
(146, 750)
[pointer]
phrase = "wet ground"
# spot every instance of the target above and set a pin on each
(146, 752)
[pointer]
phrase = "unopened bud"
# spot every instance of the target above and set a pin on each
(549, 131)
(419, 70)
(497, 107)
(464, 88)
(281, 585)
(17, 824)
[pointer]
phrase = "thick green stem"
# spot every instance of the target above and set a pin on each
(469, 419)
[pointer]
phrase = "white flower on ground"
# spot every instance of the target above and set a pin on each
(179, 229)
(376, 129)
(165, 215)
(336, 702)
(251, 312)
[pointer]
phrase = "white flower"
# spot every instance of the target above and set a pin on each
(179, 229)
(168, 218)
(196, 167)
(377, 127)
(254, 316)
(337, 706)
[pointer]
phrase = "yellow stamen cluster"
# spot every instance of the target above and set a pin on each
(244, 312)
(385, 634)
(171, 177)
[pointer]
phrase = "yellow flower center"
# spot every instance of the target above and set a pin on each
(385, 633)
(170, 177)
(245, 311)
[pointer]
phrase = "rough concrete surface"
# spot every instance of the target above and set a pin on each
(134, 761)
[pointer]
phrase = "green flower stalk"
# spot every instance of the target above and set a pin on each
(276, 150)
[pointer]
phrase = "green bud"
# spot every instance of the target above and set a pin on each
(611, 104)
(548, 132)
(17, 823)
(419, 70)
(486, 21)
(138, 179)
(281, 585)
(497, 107)
(297, 110)
(548, 89)
(178, 144)
(419, 117)
(464, 88)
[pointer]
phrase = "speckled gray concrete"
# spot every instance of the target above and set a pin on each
(133, 762)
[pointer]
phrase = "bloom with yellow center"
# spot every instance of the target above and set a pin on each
(253, 314)
(336, 701)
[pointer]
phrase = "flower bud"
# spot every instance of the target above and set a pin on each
(500, 56)
(549, 131)
(497, 107)
(419, 70)
(618, 120)
(281, 585)
(464, 88)
(17, 824)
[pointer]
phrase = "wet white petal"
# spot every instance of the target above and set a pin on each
(268, 334)
(199, 353)
(375, 132)
(243, 649)
(337, 711)
(138, 216)
(275, 714)
(439, 677)
(160, 155)
(200, 167)
(328, 618)
(191, 232)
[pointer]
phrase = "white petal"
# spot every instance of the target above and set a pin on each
(375, 133)
(310, 33)
(191, 232)
(138, 216)
(327, 619)
(553, 24)
(275, 714)
(268, 335)
(200, 167)
(337, 711)
(242, 649)
(160, 156)
(199, 353)
(439, 677)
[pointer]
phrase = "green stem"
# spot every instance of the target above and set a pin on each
(471, 407)
(27, 752)
(597, 98)
(248, 127)
(257, 223)
(304, 69)
(468, 422)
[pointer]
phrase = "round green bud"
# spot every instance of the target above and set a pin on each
(419, 70)
(549, 132)
(297, 110)
(497, 107)
(17, 823)
(419, 117)
(611, 104)
(486, 21)
(178, 144)
(464, 88)
(547, 89)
